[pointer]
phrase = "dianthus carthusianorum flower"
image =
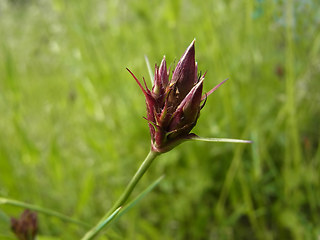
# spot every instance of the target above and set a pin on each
(173, 108)
(173, 105)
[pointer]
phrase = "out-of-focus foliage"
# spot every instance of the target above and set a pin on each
(72, 132)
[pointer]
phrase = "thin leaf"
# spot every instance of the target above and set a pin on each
(120, 211)
(42, 210)
(139, 197)
(227, 140)
(94, 232)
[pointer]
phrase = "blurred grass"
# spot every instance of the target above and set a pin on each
(72, 132)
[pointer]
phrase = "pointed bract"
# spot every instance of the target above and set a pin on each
(184, 76)
(160, 79)
(163, 73)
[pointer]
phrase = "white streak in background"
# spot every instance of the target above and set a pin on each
(149, 69)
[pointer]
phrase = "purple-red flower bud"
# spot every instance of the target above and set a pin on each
(26, 227)
(173, 106)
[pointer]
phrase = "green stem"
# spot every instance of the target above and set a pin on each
(125, 195)
(41, 210)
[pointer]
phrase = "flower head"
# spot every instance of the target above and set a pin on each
(26, 227)
(173, 106)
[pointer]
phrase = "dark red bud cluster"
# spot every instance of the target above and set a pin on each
(26, 227)
(173, 106)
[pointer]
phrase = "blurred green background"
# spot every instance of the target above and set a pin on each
(72, 132)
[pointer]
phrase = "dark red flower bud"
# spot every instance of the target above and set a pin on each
(173, 107)
(26, 227)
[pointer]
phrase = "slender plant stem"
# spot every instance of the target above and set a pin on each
(135, 179)
(46, 211)
(125, 195)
